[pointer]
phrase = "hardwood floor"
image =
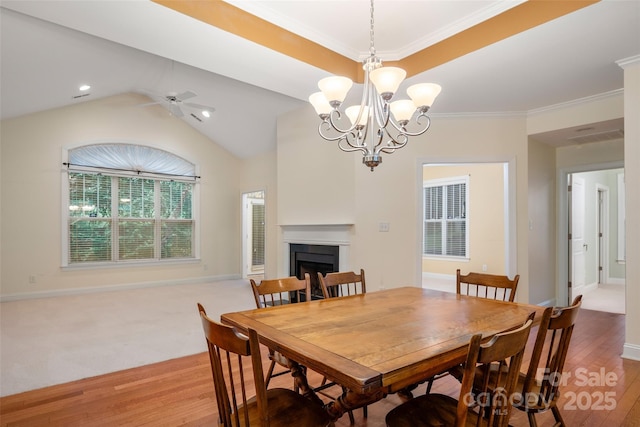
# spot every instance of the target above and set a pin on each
(602, 390)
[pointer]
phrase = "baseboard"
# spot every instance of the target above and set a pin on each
(616, 281)
(439, 276)
(112, 288)
(547, 303)
(584, 288)
(631, 351)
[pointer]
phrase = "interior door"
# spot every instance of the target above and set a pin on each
(253, 232)
(600, 237)
(577, 242)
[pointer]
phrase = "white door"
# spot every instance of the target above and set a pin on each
(577, 244)
(253, 233)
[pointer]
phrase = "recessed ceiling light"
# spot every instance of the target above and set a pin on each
(206, 113)
(84, 87)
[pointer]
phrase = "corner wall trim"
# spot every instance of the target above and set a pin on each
(631, 351)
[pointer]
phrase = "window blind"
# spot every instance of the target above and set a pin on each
(445, 218)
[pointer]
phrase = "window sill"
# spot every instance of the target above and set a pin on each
(129, 264)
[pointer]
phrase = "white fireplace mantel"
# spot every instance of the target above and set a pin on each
(318, 234)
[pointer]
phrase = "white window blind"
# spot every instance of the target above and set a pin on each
(445, 218)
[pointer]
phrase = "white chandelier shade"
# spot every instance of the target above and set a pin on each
(377, 124)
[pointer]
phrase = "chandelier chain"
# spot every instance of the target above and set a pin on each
(372, 49)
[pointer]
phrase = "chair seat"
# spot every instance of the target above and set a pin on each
(287, 408)
(430, 410)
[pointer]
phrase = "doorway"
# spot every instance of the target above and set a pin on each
(253, 234)
(595, 266)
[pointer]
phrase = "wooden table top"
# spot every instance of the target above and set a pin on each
(388, 339)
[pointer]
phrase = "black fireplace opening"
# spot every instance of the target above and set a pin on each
(313, 259)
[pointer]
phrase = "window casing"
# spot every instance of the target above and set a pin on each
(124, 217)
(445, 226)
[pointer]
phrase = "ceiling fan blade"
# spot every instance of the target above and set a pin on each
(185, 95)
(175, 110)
(200, 106)
(148, 104)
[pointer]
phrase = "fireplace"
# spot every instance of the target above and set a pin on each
(313, 259)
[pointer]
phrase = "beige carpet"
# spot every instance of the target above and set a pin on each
(55, 340)
(609, 298)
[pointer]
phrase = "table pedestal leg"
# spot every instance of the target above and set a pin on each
(300, 378)
(349, 401)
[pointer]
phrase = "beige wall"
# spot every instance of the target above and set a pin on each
(315, 179)
(486, 216)
(541, 252)
(392, 192)
(32, 148)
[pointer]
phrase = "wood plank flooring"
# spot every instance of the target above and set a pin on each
(179, 392)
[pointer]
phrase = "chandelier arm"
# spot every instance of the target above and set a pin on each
(331, 121)
(396, 145)
(328, 137)
(351, 147)
(380, 115)
(405, 132)
(344, 137)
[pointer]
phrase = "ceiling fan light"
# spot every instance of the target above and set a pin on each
(320, 104)
(423, 94)
(352, 113)
(387, 80)
(335, 89)
(403, 110)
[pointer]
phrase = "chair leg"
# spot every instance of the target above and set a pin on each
(429, 385)
(351, 418)
(532, 419)
(557, 416)
(269, 373)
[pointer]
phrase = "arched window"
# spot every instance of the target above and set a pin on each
(128, 203)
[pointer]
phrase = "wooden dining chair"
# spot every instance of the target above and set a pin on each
(285, 290)
(343, 283)
(487, 285)
(552, 341)
(540, 392)
(233, 357)
(481, 285)
(272, 292)
(339, 284)
(473, 407)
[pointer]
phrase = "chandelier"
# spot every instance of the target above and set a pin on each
(377, 125)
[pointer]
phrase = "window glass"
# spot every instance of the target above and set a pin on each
(445, 218)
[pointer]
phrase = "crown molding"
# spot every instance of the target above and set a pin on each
(626, 62)
(576, 102)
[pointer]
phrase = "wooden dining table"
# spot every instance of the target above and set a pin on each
(380, 342)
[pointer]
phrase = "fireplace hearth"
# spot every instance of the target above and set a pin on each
(313, 259)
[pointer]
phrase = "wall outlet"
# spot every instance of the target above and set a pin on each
(484, 267)
(32, 279)
(383, 227)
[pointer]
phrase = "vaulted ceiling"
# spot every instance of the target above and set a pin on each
(254, 60)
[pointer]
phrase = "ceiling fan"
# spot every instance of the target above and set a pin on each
(174, 102)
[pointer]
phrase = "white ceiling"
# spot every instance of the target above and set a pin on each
(48, 48)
